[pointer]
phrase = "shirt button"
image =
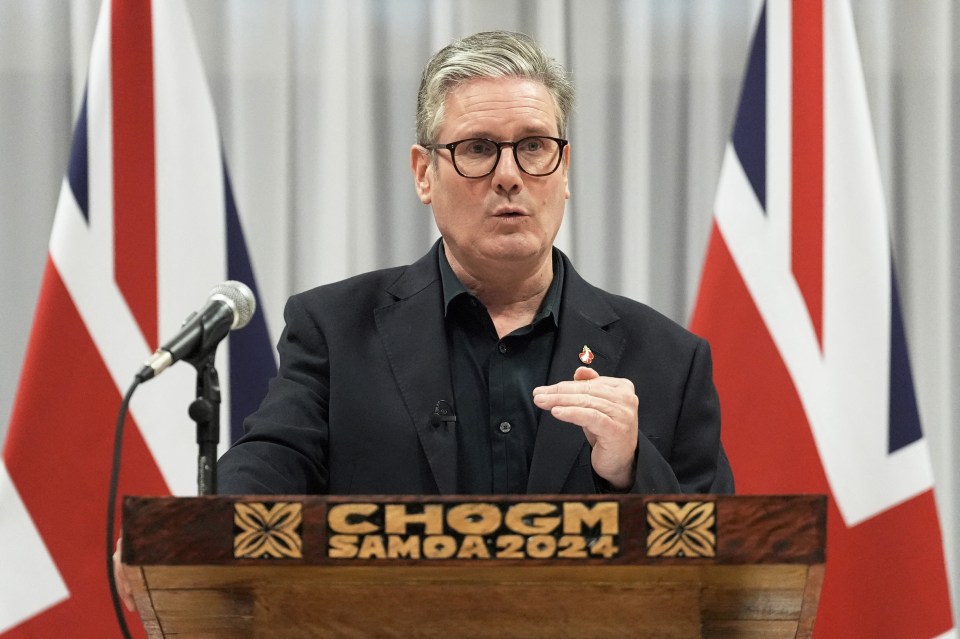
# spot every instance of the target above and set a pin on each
(505, 427)
(502, 347)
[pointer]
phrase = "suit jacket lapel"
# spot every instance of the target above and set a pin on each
(414, 337)
(584, 319)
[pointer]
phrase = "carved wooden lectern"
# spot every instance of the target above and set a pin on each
(498, 566)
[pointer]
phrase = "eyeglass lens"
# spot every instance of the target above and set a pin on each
(478, 157)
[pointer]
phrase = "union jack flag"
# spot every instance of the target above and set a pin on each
(799, 302)
(145, 226)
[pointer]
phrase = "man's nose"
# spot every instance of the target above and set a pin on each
(507, 176)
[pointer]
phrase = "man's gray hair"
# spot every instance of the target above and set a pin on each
(489, 54)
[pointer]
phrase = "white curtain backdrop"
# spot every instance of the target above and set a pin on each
(316, 102)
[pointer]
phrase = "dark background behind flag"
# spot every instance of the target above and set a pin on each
(305, 91)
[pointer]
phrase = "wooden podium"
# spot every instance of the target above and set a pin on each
(524, 566)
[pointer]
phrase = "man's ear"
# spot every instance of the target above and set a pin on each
(566, 172)
(420, 160)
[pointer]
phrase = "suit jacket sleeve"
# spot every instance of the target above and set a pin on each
(697, 454)
(695, 461)
(284, 448)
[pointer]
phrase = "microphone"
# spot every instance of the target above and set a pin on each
(442, 414)
(229, 306)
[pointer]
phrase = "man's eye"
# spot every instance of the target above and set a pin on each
(478, 147)
(532, 145)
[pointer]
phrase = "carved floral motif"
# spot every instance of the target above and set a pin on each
(681, 529)
(267, 531)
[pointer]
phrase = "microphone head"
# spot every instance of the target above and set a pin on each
(238, 297)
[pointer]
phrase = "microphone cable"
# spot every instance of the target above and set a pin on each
(111, 505)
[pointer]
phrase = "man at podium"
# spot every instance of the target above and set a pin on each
(489, 366)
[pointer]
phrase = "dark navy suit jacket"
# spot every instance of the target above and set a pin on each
(363, 363)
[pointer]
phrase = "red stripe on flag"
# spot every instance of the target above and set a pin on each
(58, 453)
(807, 141)
(890, 575)
(134, 184)
(755, 388)
(884, 577)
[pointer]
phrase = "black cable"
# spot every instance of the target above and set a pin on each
(111, 505)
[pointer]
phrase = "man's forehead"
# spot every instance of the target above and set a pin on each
(499, 85)
(489, 101)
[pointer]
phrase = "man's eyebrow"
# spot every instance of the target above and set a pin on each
(533, 131)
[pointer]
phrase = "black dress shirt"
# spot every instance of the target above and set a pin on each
(493, 382)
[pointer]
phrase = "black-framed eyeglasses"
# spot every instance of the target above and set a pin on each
(537, 155)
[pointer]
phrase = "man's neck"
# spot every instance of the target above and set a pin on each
(512, 294)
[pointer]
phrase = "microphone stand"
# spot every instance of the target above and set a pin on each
(205, 411)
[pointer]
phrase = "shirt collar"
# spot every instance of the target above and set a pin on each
(549, 307)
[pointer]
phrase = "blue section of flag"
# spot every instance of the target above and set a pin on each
(77, 168)
(251, 355)
(750, 128)
(904, 417)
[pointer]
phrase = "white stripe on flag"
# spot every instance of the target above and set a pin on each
(191, 227)
(865, 477)
(843, 385)
(779, 113)
(29, 580)
(191, 236)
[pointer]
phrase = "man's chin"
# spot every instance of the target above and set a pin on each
(503, 251)
(517, 251)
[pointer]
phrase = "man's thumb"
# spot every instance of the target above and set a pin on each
(585, 373)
